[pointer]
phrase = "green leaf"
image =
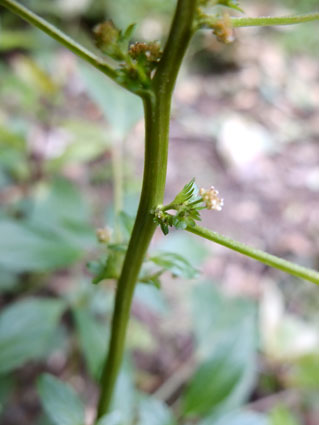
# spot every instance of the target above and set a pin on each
(164, 228)
(215, 316)
(126, 37)
(152, 298)
(26, 329)
(175, 263)
(61, 209)
(54, 235)
(24, 248)
(280, 415)
(193, 249)
(112, 266)
(124, 400)
(154, 412)
(187, 194)
(233, 4)
(151, 279)
(238, 418)
(60, 401)
(93, 337)
(114, 418)
(225, 379)
(127, 222)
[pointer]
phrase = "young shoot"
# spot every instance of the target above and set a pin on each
(187, 205)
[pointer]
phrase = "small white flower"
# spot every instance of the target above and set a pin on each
(211, 198)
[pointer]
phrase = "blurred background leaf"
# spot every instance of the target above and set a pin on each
(60, 401)
(26, 329)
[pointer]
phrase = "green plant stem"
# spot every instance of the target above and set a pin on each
(157, 105)
(265, 21)
(59, 36)
(208, 21)
(261, 256)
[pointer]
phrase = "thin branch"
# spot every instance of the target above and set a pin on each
(59, 36)
(265, 21)
(207, 21)
(263, 257)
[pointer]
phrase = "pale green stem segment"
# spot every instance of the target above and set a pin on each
(208, 21)
(59, 36)
(265, 21)
(261, 256)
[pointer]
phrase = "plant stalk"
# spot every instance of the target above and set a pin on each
(59, 36)
(261, 256)
(208, 21)
(157, 106)
(265, 21)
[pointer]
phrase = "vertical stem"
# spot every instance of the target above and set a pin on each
(157, 105)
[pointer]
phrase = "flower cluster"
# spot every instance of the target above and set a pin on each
(136, 60)
(223, 29)
(186, 206)
(211, 199)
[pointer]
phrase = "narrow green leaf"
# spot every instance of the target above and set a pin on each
(26, 329)
(60, 401)
(233, 4)
(188, 192)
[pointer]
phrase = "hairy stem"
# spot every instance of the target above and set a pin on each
(261, 256)
(208, 21)
(265, 21)
(157, 117)
(59, 36)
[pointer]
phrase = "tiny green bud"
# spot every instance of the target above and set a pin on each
(106, 34)
(107, 39)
